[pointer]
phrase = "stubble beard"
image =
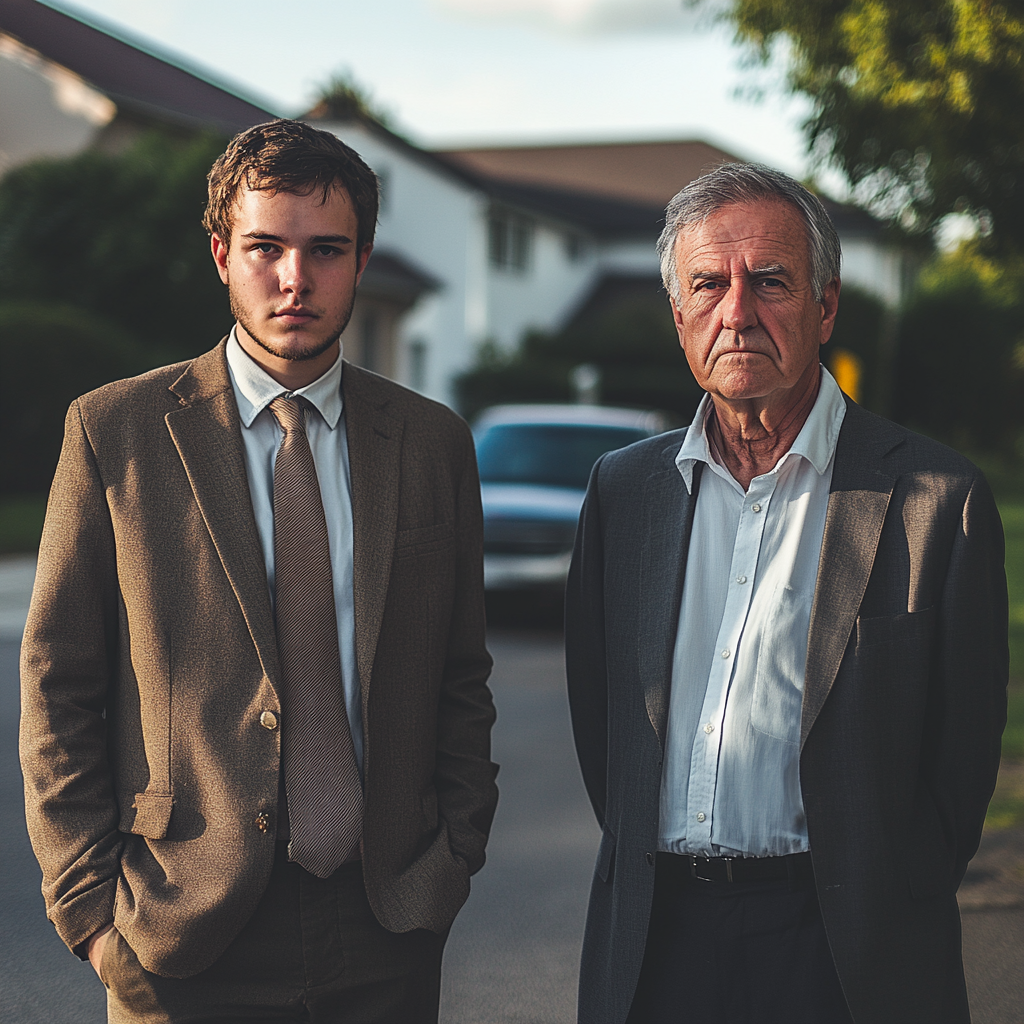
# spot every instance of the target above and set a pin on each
(293, 354)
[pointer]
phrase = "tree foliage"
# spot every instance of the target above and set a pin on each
(342, 98)
(919, 102)
(959, 372)
(51, 355)
(119, 236)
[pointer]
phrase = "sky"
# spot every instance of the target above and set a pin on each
(475, 72)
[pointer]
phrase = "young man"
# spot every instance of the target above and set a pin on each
(256, 723)
(787, 660)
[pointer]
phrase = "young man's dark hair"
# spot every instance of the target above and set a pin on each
(289, 156)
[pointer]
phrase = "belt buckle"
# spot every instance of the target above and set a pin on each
(693, 868)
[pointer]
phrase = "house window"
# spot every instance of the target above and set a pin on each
(510, 241)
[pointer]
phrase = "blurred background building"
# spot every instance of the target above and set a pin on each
(475, 246)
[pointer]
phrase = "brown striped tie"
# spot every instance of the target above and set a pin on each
(325, 797)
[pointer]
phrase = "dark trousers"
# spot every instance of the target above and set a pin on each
(313, 951)
(736, 953)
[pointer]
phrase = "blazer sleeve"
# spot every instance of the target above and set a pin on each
(961, 756)
(66, 665)
(585, 666)
(464, 775)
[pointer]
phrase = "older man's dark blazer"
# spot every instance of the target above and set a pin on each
(904, 704)
(150, 656)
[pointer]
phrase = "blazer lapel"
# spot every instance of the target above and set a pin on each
(666, 542)
(374, 454)
(207, 433)
(861, 488)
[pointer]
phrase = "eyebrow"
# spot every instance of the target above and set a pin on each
(765, 271)
(266, 236)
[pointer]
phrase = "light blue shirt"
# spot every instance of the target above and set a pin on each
(254, 390)
(731, 777)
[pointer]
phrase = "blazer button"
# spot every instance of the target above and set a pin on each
(263, 821)
(649, 857)
(268, 720)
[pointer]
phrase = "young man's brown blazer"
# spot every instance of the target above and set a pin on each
(149, 662)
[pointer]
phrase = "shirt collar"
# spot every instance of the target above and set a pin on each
(816, 441)
(255, 389)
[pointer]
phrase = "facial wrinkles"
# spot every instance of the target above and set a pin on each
(738, 263)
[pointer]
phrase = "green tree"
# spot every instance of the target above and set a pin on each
(342, 98)
(919, 102)
(119, 236)
(51, 355)
(960, 363)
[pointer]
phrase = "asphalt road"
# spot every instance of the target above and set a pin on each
(512, 955)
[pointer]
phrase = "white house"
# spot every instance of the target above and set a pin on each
(473, 246)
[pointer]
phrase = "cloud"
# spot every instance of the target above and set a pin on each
(589, 16)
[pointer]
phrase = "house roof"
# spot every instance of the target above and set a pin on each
(605, 216)
(638, 176)
(392, 277)
(132, 73)
(649, 173)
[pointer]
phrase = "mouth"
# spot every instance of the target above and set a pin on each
(742, 353)
(294, 316)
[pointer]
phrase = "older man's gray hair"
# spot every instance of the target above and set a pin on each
(749, 183)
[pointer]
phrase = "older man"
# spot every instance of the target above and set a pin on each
(787, 660)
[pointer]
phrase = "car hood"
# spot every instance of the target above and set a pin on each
(531, 501)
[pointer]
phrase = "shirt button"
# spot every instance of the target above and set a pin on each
(268, 720)
(263, 821)
(709, 728)
(701, 816)
(649, 857)
(725, 653)
(741, 579)
(755, 508)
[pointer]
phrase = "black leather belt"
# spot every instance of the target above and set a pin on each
(797, 866)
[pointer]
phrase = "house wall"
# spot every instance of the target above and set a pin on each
(46, 111)
(437, 223)
(876, 268)
(540, 296)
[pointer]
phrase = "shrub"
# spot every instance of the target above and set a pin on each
(51, 355)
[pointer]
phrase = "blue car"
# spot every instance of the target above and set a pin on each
(535, 461)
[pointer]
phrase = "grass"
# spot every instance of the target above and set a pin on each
(21, 523)
(1013, 523)
(1007, 807)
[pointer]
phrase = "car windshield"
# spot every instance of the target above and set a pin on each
(552, 454)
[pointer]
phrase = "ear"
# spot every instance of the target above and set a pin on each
(219, 249)
(829, 308)
(677, 318)
(364, 256)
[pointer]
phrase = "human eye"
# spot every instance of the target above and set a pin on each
(266, 248)
(326, 250)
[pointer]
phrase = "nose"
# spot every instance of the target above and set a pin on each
(738, 312)
(291, 272)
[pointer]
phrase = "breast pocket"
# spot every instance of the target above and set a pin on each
(781, 658)
(914, 628)
(423, 540)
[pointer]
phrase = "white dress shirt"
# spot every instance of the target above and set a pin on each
(730, 782)
(255, 389)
